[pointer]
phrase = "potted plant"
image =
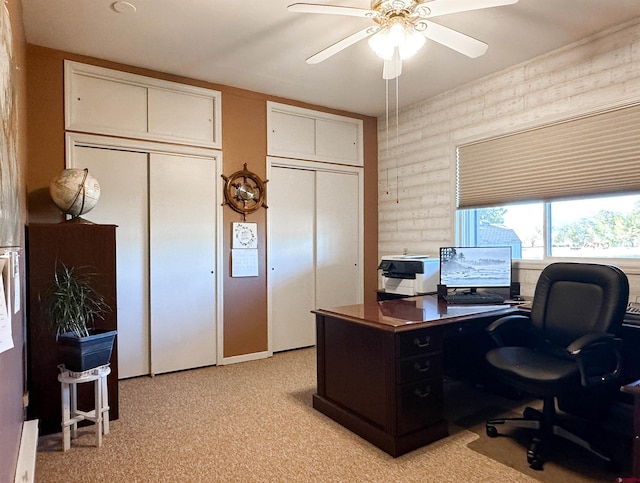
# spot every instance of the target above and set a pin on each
(71, 306)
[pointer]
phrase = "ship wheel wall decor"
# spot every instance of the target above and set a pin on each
(244, 191)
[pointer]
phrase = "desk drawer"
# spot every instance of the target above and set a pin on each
(419, 405)
(420, 367)
(470, 327)
(419, 342)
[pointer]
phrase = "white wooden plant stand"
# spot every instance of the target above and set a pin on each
(71, 415)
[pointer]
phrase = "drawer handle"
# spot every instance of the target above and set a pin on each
(418, 343)
(425, 368)
(422, 394)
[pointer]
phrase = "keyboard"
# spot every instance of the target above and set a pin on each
(474, 298)
(633, 313)
(633, 308)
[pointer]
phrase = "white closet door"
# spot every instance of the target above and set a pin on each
(182, 259)
(124, 202)
(337, 241)
(292, 237)
(314, 247)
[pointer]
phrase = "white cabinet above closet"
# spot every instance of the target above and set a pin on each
(105, 101)
(300, 133)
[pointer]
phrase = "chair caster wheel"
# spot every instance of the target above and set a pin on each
(530, 413)
(534, 464)
(492, 432)
(532, 455)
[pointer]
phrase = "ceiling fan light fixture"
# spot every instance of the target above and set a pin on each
(396, 36)
(396, 33)
(381, 45)
(413, 43)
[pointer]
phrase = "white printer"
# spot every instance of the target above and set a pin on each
(410, 274)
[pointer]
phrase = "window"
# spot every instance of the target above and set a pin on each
(591, 159)
(602, 227)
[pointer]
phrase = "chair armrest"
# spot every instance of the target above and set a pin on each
(632, 388)
(599, 358)
(588, 340)
(512, 330)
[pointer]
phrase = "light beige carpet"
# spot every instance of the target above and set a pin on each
(253, 422)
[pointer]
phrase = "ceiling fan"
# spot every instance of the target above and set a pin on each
(401, 27)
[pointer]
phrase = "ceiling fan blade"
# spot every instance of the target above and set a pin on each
(445, 7)
(455, 40)
(332, 10)
(341, 45)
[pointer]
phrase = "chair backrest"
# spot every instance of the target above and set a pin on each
(573, 299)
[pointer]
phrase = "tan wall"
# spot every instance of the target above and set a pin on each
(244, 140)
(12, 372)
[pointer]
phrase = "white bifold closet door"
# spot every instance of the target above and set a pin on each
(182, 260)
(314, 249)
(165, 209)
(292, 244)
(337, 240)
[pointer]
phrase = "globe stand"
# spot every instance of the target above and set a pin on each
(78, 220)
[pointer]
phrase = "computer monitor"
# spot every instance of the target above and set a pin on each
(475, 267)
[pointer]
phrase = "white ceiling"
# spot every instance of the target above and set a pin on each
(261, 46)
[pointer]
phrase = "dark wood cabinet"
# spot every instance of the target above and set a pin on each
(385, 386)
(74, 244)
(380, 366)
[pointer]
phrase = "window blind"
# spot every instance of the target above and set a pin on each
(588, 156)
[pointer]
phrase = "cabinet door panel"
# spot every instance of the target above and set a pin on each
(292, 134)
(182, 262)
(337, 270)
(123, 202)
(101, 105)
(358, 368)
(337, 140)
(291, 257)
(181, 115)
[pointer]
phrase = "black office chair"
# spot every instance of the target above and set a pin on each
(566, 344)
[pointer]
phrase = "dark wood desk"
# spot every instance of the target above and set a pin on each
(634, 389)
(380, 366)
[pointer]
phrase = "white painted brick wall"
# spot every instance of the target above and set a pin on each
(590, 75)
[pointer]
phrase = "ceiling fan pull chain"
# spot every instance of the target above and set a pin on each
(397, 136)
(397, 111)
(386, 100)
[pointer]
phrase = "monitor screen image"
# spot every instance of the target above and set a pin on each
(475, 267)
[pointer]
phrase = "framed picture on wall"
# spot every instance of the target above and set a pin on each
(245, 235)
(10, 208)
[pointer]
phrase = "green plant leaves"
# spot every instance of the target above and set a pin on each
(72, 303)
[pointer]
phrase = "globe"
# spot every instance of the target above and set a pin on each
(75, 191)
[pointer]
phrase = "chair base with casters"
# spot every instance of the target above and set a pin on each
(546, 426)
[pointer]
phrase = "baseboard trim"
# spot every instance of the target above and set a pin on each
(26, 467)
(244, 358)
